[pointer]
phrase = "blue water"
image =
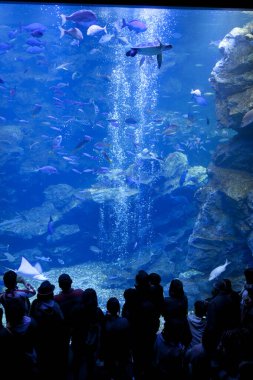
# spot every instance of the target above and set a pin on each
(110, 207)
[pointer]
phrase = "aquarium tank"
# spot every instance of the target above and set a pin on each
(126, 143)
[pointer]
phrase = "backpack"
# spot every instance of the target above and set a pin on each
(47, 316)
(11, 301)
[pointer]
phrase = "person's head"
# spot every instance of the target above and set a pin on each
(10, 279)
(89, 297)
(46, 290)
(218, 287)
(113, 306)
(154, 279)
(130, 296)
(65, 281)
(200, 308)
(142, 278)
(176, 288)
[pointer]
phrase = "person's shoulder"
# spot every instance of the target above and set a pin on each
(77, 292)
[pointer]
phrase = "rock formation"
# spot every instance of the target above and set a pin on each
(223, 228)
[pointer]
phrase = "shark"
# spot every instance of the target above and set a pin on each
(28, 270)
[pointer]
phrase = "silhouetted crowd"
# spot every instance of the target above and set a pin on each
(67, 336)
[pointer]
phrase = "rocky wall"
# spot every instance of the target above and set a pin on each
(223, 228)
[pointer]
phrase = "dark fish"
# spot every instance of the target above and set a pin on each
(50, 228)
(37, 33)
(130, 120)
(83, 16)
(207, 121)
(85, 140)
(112, 120)
(106, 156)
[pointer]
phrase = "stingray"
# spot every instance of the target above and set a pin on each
(27, 270)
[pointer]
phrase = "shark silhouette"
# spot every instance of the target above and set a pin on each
(27, 270)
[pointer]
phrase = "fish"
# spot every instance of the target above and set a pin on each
(47, 169)
(43, 258)
(63, 66)
(95, 29)
(218, 270)
(9, 257)
(106, 156)
(136, 25)
(196, 92)
(50, 227)
(95, 249)
(106, 38)
(36, 109)
(37, 33)
(130, 120)
(73, 32)
(35, 26)
(83, 16)
(32, 41)
(28, 270)
(85, 140)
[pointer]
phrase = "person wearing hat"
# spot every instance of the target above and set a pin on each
(51, 337)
